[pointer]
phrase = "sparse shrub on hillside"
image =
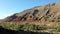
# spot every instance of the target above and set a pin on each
(21, 26)
(35, 27)
(58, 29)
(5, 25)
(26, 26)
(52, 27)
(32, 26)
(43, 27)
(16, 26)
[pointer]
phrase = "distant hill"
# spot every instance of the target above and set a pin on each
(49, 12)
(0, 20)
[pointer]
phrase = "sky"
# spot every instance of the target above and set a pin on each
(9, 7)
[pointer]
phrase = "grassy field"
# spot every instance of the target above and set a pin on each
(42, 27)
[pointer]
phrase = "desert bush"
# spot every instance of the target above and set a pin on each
(26, 26)
(52, 27)
(19, 26)
(13, 26)
(5, 25)
(32, 27)
(58, 29)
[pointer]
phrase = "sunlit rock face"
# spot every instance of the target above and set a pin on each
(49, 12)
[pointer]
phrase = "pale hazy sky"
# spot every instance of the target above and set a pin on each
(9, 7)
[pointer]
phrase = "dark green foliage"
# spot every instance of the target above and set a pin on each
(8, 31)
(34, 27)
(31, 27)
(22, 26)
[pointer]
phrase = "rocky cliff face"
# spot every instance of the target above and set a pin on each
(49, 12)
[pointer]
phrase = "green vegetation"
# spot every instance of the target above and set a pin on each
(43, 27)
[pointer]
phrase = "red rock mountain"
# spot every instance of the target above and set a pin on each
(49, 12)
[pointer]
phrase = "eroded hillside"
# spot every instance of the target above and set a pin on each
(49, 12)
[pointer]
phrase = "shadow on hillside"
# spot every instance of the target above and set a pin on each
(6, 31)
